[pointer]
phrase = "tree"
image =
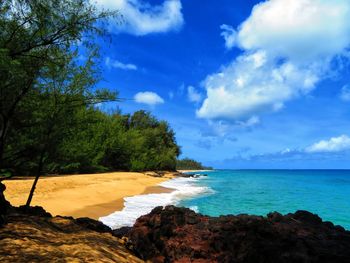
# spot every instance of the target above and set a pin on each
(37, 46)
(49, 121)
(66, 92)
(37, 35)
(154, 143)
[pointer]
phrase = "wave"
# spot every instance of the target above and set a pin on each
(136, 206)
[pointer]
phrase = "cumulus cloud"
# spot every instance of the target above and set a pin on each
(252, 84)
(287, 50)
(149, 98)
(141, 18)
(335, 144)
(193, 95)
(229, 34)
(117, 64)
(345, 93)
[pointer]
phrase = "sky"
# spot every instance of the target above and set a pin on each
(244, 84)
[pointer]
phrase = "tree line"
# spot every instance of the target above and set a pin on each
(190, 164)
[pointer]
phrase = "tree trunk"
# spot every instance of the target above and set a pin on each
(39, 171)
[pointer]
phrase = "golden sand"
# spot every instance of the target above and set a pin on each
(85, 195)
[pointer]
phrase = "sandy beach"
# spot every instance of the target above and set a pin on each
(85, 195)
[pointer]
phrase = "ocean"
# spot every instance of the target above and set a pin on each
(258, 192)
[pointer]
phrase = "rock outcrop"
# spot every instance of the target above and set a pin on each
(32, 235)
(171, 234)
(4, 205)
(180, 235)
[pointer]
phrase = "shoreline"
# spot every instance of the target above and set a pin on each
(85, 195)
(179, 189)
(193, 171)
(105, 209)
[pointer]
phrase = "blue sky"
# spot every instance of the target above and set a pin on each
(244, 84)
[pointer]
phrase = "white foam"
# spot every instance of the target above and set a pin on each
(194, 208)
(139, 205)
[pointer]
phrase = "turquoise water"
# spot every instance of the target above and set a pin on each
(324, 192)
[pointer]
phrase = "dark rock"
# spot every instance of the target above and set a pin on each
(307, 217)
(33, 211)
(4, 205)
(191, 175)
(275, 217)
(93, 225)
(180, 235)
(186, 175)
(121, 232)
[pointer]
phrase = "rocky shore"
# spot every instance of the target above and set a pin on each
(33, 235)
(180, 235)
(170, 234)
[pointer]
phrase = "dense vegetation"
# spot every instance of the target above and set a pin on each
(93, 141)
(49, 119)
(189, 164)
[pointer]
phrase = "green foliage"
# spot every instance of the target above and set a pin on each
(49, 121)
(189, 164)
(38, 43)
(93, 141)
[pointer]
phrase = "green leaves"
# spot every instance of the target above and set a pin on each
(5, 174)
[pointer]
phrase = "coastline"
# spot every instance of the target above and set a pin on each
(193, 171)
(85, 195)
(179, 189)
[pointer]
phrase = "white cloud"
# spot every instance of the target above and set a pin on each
(335, 144)
(345, 93)
(230, 35)
(298, 30)
(171, 95)
(252, 121)
(286, 151)
(117, 64)
(193, 94)
(288, 47)
(148, 97)
(140, 17)
(252, 84)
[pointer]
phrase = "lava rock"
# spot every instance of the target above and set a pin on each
(33, 211)
(4, 205)
(121, 232)
(93, 225)
(181, 235)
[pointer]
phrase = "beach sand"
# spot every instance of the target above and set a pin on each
(85, 195)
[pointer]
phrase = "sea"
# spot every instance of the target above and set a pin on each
(255, 192)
